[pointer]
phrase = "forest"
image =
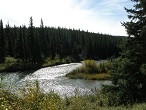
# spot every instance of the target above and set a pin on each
(34, 44)
(128, 71)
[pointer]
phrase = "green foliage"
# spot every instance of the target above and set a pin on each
(89, 66)
(91, 70)
(128, 71)
(10, 60)
(33, 99)
(102, 76)
(51, 62)
(143, 69)
(69, 59)
(34, 44)
(104, 67)
(11, 65)
(2, 43)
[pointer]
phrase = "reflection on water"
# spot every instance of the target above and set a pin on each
(52, 78)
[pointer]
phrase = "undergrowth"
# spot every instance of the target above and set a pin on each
(33, 99)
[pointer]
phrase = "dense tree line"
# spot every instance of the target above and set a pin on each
(33, 44)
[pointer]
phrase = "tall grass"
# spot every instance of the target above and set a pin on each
(91, 70)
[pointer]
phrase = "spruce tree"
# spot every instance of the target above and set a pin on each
(31, 42)
(10, 41)
(19, 45)
(2, 43)
(43, 41)
(129, 70)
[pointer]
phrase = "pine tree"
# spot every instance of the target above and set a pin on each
(25, 49)
(19, 45)
(2, 43)
(31, 42)
(43, 41)
(129, 70)
(10, 41)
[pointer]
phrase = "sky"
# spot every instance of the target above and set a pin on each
(98, 16)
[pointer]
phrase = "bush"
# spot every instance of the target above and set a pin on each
(89, 66)
(51, 62)
(91, 70)
(143, 69)
(69, 59)
(10, 60)
(104, 67)
(33, 99)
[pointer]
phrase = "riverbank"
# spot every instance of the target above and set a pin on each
(101, 76)
(91, 70)
(14, 65)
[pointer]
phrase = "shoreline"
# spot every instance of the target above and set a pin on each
(99, 76)
(22, 67)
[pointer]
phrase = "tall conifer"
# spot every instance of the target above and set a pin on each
(2, 43)
(129, 70)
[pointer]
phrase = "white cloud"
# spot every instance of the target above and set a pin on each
(92, 15)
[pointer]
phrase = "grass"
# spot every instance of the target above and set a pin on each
(91, 70)
(33, 99)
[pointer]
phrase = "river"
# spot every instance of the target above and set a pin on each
(52, 79)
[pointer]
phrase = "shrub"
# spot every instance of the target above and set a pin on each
(51, 62)
(89, 66)
(104, 67)
(33, 99)
(10, 60)
(69, 59)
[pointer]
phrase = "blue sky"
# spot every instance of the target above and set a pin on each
(103, 16)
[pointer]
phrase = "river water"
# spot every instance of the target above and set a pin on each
(52, 79)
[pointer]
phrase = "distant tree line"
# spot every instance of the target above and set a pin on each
(34, 44)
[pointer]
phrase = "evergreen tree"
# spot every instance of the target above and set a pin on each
(129, 70)
(34, 44)
(31, 42)
(43, 41)
(19, 45)
(10, 41)
(25, 49)
(2, 43)
(37, 48)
